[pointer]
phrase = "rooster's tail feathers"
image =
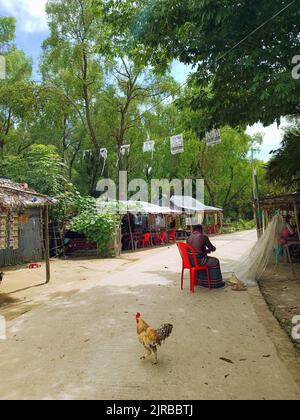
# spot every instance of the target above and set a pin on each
(164, 332)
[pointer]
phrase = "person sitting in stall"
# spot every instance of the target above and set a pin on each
(287, 233)
(203, 247)
(289, 226)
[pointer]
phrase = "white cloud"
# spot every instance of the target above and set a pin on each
(30, 14)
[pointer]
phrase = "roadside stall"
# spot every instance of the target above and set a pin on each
(143, 224)
(194, 212)
(288, 206)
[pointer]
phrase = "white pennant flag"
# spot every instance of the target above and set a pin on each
(103, 153)
(125, 149)
(149, 146)
(213, 137)
(177, 144)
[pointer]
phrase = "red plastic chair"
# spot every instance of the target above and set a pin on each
(172, 235)
(163, 237)
(146, 240)
(34, 265)
(157, 239)
(186, 251)
(213, 230)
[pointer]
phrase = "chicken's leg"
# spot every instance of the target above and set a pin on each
(147, 353)
(154, 351)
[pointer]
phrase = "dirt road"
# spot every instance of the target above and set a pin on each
(76, 337)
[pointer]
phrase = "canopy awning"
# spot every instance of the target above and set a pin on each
(190, 204)
(134, 207)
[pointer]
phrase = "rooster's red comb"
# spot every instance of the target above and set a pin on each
(138, 315)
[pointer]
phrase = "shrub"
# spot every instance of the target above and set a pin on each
(238, 226)
(99, 228)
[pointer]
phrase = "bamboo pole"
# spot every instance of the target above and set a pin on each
(46, 237)
(256, 219)
(130, 231)
(297, 219)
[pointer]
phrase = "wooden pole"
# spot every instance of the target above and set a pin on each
(130, 231)
(256, 219)
(46, 237)
(166, 227)
(118, 241)
(297, 219)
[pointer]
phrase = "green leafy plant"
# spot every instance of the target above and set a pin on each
(99, 228)
(238, 226)
(40, 167)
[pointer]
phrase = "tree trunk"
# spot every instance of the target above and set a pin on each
(87, 104)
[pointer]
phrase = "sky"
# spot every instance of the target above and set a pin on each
(32, 29)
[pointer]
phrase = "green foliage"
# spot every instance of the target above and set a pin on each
(242, 51)
(284, 167)
(98, 91)
(7, 32)
(18, 65)
(238, 226)
(40, 167)
(99, 228)
(17, 94)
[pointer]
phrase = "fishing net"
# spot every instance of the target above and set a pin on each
(252, 265)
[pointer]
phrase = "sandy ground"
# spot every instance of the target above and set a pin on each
(280, 286)
(75, 338)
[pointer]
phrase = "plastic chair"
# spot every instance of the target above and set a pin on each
(186, 264)
(163, 237)
(146, 240)
(157, 239)
(213, 230)
(34, 265)
(187, 251)
(172, 235)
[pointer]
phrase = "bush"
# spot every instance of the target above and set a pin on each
(99, 228)
(238, 226)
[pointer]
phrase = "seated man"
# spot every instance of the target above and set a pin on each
(203, 247)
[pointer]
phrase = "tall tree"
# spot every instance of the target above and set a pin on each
(7, 33)
(241, 49)
(72, 56)
(284, 167)
(16, 90)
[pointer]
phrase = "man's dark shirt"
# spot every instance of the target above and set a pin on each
(200, 243)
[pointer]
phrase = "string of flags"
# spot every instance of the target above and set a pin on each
(149, 146)
(125, 149)
(103, 155)
(176, 145)
(213, 137)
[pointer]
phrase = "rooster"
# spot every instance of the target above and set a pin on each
(1, 277)
(151, 338)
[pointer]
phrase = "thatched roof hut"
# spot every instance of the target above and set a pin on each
(24, 234)
(15, 196)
